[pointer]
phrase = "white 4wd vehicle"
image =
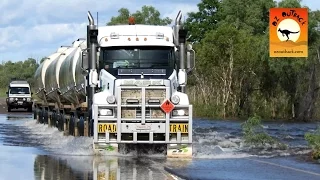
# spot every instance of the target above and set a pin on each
(19, 96)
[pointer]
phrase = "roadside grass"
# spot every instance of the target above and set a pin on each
(255, 135)
(313, 140)
(3, 92)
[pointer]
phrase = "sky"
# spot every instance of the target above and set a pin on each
(36, 28)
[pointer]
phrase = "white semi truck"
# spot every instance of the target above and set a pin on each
(122, 85)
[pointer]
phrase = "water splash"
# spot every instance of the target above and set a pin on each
(212, 139)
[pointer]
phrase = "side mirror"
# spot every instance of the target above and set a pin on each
(182, 77)
(84, 60)
(7, 92)
(191, 59)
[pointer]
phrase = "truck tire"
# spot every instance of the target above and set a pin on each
(9, 109)
(35, 112)
(29, 109)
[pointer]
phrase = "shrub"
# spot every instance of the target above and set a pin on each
(314, 142)
(254, 134)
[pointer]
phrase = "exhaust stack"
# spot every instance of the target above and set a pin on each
(180, 35)
(90, 18)
(92, 45)
(177, 27)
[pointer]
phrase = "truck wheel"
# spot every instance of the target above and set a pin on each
(35, 112)
(29, 109)
(81, 126)
(71, 125)
(62, 121)
(44, 116)
(9, 109)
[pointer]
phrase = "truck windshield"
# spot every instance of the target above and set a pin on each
(19, 90)
(137, 57)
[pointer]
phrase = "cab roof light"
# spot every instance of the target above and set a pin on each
(160, 35)
(131, 20)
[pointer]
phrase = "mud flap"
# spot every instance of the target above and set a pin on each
(103, 149)
(179, 150)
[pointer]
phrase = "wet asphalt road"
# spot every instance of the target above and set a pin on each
(33, 151)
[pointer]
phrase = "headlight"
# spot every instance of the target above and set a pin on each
(11, 99)
(28, 99)
(179, 112)
(175, 99)
(24, 99)
(111, 99)
(105, 112)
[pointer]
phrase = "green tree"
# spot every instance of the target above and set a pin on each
(148, 15)
(205, 19)
(235, 75)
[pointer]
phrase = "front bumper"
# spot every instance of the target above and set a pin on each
(114, 129)
(19, 103)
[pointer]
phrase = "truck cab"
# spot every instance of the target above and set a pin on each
(19, 96)
(141, 96)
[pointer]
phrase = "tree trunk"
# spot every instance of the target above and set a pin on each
(306, 108)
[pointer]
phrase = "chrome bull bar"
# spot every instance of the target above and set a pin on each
(150, 126)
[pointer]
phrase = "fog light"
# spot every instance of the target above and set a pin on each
(111, 99)
(179, 112)
(175, 99)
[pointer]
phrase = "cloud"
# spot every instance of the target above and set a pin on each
(36, 28)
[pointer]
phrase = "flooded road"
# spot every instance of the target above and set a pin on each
(35, 151)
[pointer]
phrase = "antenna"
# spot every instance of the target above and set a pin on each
(97, 19)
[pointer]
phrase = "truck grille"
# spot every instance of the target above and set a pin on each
(131, 96)
(155, 96)
(154, 112)
(134, 97)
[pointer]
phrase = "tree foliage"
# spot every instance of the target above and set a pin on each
(148, 15)
(234, 73)
(19, 70)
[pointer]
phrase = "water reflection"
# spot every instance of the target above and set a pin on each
(89, 168)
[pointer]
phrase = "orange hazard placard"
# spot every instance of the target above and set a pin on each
(167, 106)
(288, 33)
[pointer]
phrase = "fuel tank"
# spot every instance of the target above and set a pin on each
(52, 75)
(52, 84)
(39, 76)
(71, 77)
